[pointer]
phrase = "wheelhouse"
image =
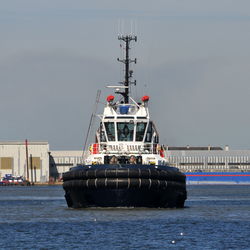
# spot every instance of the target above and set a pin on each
(126, 127)
(125, 133)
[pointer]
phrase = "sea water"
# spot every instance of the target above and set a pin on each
(37, 217)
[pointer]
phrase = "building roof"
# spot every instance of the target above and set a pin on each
(23, 143)
(194, 148)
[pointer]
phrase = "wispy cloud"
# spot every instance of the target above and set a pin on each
(193, 59)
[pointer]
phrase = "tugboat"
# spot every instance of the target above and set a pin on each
(125, 167)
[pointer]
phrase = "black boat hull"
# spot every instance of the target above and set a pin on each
(124, 186)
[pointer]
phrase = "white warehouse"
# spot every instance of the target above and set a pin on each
(13, 160)
(61, 161)
(45, 165)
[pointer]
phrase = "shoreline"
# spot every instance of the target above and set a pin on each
(193, 183)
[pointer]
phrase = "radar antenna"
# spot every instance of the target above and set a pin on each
(128, 73)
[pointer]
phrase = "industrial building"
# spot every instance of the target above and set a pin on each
(45, 165)
(61, 161)
(187, 159)
(209, 159)
(15, 156)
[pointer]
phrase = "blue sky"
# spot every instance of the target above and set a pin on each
(193, 60)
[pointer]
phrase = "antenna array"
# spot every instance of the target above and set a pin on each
(127, 61)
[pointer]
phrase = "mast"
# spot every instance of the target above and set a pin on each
(27, 159)
(128, 73)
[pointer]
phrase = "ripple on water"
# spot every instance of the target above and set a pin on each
(216, 217)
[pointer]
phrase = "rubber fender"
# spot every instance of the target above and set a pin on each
(116, 183)
(91, 173)
(111, 183)
(67, 176)
(155, 183)
(74, 184)
(154, 173)
(177, 185)
(133, 173)
(101, 183)
(125, 173)
(133, 183)
(123, 183)
(145, 173)
(101, 173)
(81, 174)
(71, 175)
(163, 175)
(146, 183)
(111, 173)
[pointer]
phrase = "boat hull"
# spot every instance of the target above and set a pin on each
(124, 186)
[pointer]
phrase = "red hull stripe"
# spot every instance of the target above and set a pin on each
(218, 175)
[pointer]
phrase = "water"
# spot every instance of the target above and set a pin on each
(215, 217)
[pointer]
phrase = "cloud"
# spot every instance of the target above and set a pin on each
(193, 60)
(50, 96)
(204, 102)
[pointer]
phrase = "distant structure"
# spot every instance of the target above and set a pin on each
(27, 159)
(187, 159)
(45, 165)
(62, 160)
(208, 159)
(208, 148)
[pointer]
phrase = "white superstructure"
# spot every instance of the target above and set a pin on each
(126, 135)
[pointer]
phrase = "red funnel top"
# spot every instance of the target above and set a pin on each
(145, 98)
(110, 98)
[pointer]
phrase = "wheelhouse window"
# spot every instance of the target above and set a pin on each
(149, 133)
(125, 131)
(110, 130)
(140, 130)
(102, 134)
